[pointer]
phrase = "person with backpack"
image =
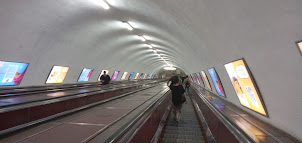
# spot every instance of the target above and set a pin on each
(178, 96)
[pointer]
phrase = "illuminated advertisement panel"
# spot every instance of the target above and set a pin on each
(216, 82)
(300, 46)
(107, 72)
(196, 79)
(141, 76)
(115, 74)
(11, 73)
(206, 80)
(246, 90)
(136, 76)
(57, 74)
(148, 75)
(200, 78)
(85, 75)
(124, 75)
(131, 76)
(152, 76)
(145, 75)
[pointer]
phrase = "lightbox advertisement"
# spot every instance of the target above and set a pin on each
(300, 46)
(115, 74)
(152, 76)
(107, 72)
(216, 82)
(195, 78)
(124, 75)
(131, 76)
(136, 76)
(206, 80)
(85, 75)
(244, 86)
(57, 74)
(148, 75)
(200, 78)
(141, 76)
(11, 73)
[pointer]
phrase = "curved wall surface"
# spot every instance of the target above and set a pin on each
(191, 35)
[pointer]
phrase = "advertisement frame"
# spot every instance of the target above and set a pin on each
(50, 72)
(116, 76)
(200, 77)
(299, 48)
(207, 80)
(22, 78)
(81, 74)
(255, 86)
(219, 81)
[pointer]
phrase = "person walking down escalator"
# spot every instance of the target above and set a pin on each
(178, 96)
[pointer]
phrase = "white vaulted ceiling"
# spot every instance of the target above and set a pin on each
(192, 35)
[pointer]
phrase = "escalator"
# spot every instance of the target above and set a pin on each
(187, 130)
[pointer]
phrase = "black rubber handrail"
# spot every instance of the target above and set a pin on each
(58, 89)
(7, 108)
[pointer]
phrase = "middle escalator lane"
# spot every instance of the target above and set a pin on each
(187, 130)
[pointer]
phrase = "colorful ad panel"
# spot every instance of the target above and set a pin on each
(107, 72)
(244, 86)
(131, 76)
(115, 74)
(195, 78)
(300, 46)
(141, 76)
(136, 76)
(57, 74)
(152, 76)
(148, 76)
(85, 75)
(206, 80)
(216, 82)
(144, 76)
(200, 79)
(124, 75)
(11, 73)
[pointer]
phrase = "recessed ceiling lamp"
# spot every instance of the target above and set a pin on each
(155, 51)
(127, 25)
(102, 3)
(169, 68)
(142, 38)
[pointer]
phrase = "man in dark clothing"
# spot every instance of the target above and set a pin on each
(105, 79)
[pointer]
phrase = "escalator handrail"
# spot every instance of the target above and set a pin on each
(116, 136)
(239, 134)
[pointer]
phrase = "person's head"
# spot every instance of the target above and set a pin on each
(174, 80)
(104, 72)
(187, 76)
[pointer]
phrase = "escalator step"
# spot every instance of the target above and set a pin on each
(183, 132)
(195, 129)
(181, 141)
(183, 136)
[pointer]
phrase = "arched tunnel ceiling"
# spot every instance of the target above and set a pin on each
(192, 35)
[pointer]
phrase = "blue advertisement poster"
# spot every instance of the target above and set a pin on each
(131, 76)
(216, 82)
(85, 75)
(11, 73)
(152, 76)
